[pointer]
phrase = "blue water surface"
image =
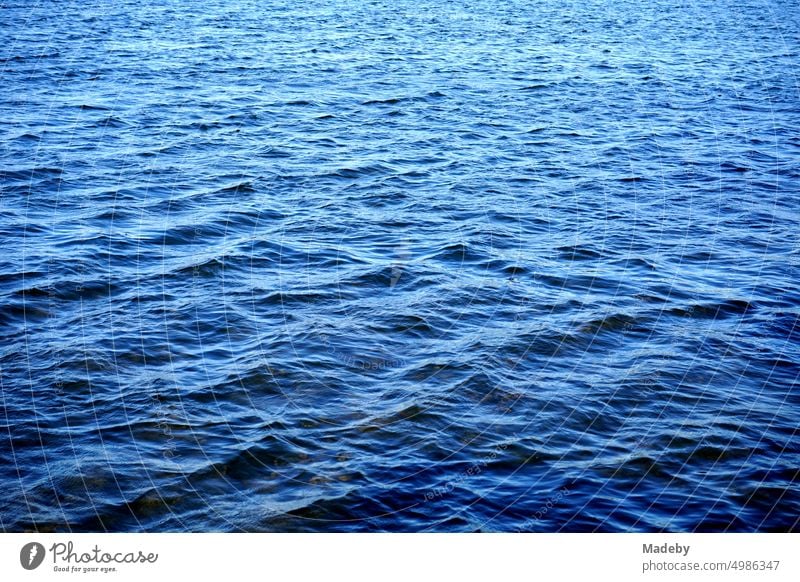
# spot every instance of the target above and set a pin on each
(460, 265)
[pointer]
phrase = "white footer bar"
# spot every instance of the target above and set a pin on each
(401, 557)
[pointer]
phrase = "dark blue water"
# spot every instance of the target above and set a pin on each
(379, 266)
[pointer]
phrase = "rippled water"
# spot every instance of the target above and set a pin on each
(345, 266)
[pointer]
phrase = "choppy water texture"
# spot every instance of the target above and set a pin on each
(369, 266)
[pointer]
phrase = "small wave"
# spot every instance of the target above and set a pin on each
(29, 137)
(28, 174)
(459, 252)
(206, 268)
(536, 87)
(579, 253)
(393, 100)
(719, 310)
(732, 167)
(356, 172)
(244, 186)
(286, 298)
(111, 121)
(611, 323)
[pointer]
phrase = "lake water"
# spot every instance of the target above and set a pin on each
(379, 266)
